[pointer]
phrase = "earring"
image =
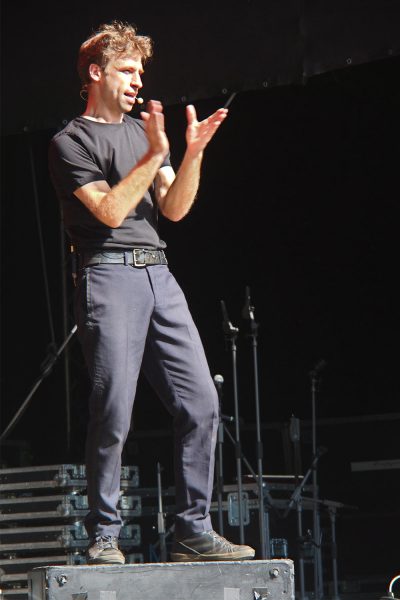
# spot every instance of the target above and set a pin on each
(83, 94)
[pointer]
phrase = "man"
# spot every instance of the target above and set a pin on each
(112, 174)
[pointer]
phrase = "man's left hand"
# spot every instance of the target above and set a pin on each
(199, 133)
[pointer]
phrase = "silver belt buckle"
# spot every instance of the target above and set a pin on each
(136, 260)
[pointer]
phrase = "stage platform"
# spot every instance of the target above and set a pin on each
(233, 580)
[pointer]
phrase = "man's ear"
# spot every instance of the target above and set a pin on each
(95, 71)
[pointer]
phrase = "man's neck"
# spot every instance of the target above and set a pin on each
(102, 114)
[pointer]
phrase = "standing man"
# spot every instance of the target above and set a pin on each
(112, 174)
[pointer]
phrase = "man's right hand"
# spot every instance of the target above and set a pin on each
(112, 205)
(155, 130)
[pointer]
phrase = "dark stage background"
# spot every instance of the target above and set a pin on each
(298, 201)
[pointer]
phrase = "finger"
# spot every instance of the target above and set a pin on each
(153, 120)
(216, 118)
(191, 114)
(154, 106)
(219, 114)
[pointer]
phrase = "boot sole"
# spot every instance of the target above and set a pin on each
(177, 557)
(105, 561)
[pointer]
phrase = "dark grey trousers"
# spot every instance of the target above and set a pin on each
(131, 318)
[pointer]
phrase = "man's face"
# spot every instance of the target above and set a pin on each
(120, 82)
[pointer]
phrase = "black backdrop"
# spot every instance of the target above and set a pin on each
(201, 49)
(298, 201)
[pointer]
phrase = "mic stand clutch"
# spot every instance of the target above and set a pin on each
(231, 334)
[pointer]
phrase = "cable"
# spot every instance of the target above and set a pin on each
(392, 583)
(390, 595)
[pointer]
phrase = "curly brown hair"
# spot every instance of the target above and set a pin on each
(111, 39)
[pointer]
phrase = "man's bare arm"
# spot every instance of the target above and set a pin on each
(176, 194)
(112, 205)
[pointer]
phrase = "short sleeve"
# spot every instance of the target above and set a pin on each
(70, 164)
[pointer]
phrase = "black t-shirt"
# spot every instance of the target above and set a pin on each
(86, 151)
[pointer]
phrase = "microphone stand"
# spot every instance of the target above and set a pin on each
(318, 584)
(231, 334)
(248, 313)
(160, 518)
(219, 380)
(296, 498)
(46, 367)
(332, 509)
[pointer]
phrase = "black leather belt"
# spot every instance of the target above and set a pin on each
(139, 257)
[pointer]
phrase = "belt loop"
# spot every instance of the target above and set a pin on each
(126, 258)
